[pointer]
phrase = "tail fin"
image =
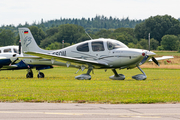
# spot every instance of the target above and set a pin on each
(28, 42)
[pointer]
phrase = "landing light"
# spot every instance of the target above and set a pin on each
(143, 54)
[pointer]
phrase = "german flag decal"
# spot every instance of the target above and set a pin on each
(25, 32)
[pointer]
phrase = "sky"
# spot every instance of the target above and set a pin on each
(17, 12)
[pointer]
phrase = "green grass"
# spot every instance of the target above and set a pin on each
(59, 85)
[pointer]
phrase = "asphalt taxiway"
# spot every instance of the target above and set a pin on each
(75, 111)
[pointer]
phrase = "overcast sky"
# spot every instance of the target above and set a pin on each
(20, 11)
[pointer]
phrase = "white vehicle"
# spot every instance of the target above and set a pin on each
(92, 54)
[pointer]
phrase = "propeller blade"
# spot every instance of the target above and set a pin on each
(19, 47)
(144, 60)
(155, 61)
(13, 61)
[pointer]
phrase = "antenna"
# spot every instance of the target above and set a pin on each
(62, 43)
(88, 35)
(149, 41)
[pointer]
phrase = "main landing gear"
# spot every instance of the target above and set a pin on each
(40, 75)
(117, 76)
(86, 76)
(30, 74)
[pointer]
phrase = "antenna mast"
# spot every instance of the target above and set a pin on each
(88, 35)
(149, 41)
(62, 43)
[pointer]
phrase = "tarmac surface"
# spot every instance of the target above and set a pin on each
(75, 111)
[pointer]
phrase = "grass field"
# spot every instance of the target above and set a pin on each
(59, 85)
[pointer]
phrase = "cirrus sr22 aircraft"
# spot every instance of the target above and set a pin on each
(7, 53)
(91, 54)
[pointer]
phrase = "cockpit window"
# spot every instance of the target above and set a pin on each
(83, 47)
(15, 50)
(115, 44)
(7, 50)
(97, 46)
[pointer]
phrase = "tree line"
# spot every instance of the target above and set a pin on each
(164, 30)
(91, 25)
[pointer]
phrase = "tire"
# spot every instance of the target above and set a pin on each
(29, 75)
(40, 75)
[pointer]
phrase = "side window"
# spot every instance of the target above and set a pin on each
(15, 50)
(83, 47)
(0, 51)
(97, 46)
(7, 50)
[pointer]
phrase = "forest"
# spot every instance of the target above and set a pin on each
(164, 31)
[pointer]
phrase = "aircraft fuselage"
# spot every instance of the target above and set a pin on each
(118, 57)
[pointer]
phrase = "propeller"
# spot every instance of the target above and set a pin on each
(149, 54)
(13, 61)
(144, 60)
(15, 54)
(153, 59)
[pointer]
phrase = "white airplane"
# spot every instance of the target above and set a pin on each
(7, 61)
(92, 54)
(6, 53)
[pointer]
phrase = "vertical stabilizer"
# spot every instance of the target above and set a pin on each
(28, 42)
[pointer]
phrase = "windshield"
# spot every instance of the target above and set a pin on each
(115, 44)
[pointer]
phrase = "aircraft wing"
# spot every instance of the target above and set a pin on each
(69, 60)
(8, 67)
(162, 58)
(4, 62)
